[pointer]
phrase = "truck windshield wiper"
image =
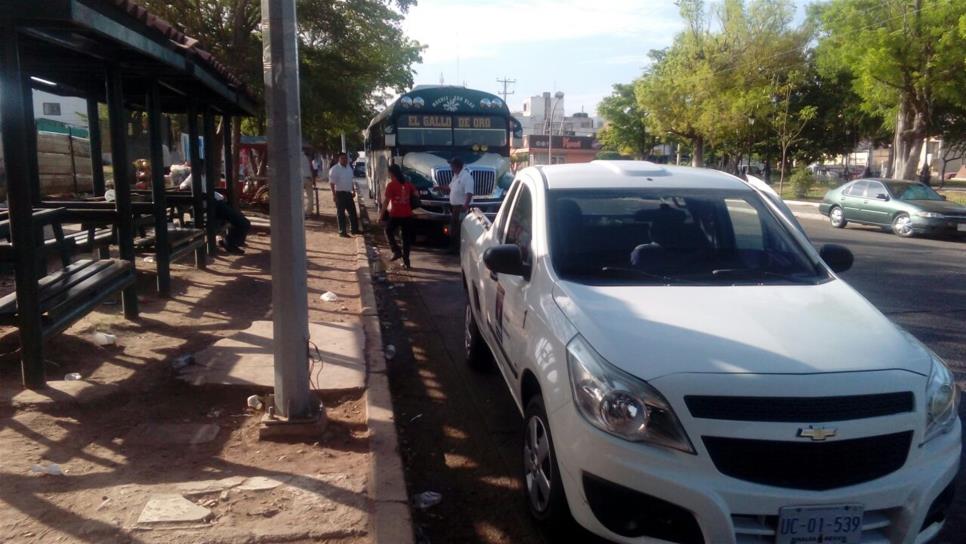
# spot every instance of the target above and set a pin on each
(641, 273)
(756, 272)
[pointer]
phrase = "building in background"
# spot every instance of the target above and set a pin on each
(68, 110)
(574, 137)
(535, 118)
(566, 150)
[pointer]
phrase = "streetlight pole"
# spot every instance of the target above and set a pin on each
(559, 96)
(293, 400)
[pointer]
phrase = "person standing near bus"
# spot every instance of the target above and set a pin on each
(343, 193)
(399, 213)
(460, 198)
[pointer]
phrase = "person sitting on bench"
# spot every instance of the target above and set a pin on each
(239, 225)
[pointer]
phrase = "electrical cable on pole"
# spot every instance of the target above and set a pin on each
(506, 81)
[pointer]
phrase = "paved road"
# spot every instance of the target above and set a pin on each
(459, 429)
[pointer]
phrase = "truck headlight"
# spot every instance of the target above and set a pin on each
(931, 215)
(941, 397)
(620, 404)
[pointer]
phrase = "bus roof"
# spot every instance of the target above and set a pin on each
(444, 99)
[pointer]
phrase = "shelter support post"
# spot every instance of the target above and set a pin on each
(97, 159)
(231, 194)
(161, 244)
(194, 154)
(30, 138)
(211, 177)
(20, 172)
(122, 181)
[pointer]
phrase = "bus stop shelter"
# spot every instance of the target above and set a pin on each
(112, 52)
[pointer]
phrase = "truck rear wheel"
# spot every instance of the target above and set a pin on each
(477, 354)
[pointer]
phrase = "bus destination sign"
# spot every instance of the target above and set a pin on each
(446, 121)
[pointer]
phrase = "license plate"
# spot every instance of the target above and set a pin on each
(820, 524)
(961, 227)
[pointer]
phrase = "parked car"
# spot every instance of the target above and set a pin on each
(906, 207)
(690, 369)
(359, 168)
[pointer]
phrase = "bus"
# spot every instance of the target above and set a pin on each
(427, 127)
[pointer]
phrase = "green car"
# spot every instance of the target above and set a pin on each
(906, 207)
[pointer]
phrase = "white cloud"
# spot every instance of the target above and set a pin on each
(454, 30)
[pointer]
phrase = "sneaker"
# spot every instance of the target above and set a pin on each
(357, 231)
(396, 256)
(344, 235)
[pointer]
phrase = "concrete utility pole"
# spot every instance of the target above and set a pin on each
(293, 400)
(505, 81)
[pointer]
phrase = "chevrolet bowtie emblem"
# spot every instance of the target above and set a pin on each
(817, 434)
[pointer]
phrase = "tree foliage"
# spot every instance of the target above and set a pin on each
(351, 53)
(906, 57)
(626, 131)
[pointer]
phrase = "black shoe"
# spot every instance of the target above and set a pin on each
(407, 265)
(357, 231)
(234, 250)
(396, 256)
(344, 235)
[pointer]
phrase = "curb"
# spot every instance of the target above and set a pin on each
(390, 521)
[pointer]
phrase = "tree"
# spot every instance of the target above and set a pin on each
(789, 123)
(626, 130)
(950, 123)
(905, 56)
(351, 53)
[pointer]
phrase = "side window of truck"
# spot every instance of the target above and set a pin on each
(520, 225)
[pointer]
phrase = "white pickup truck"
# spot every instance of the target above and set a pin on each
(690, 369)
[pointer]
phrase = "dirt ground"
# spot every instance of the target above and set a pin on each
(110, 473)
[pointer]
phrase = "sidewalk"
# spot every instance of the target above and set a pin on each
(132, 454)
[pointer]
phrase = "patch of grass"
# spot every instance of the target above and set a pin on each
(955, 196)
(815, 192)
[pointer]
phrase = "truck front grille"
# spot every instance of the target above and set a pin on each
(811, 466)
(800, 409)
(484, 179)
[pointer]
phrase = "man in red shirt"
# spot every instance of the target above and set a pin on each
(398, 211)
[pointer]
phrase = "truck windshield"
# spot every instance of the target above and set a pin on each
(685, 237)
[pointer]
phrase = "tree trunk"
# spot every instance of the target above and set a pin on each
(697, 156)
(781, 170)
(910, 129)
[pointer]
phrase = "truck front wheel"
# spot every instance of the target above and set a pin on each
(477, 353)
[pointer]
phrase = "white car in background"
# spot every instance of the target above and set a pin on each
(690, 369)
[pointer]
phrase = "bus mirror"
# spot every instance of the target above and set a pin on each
(390, 140)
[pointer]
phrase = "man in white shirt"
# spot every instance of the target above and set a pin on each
(460, 198)
(343, 193)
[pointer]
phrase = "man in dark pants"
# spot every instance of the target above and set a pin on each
(460, 198)
(343, 193)
(238, 226)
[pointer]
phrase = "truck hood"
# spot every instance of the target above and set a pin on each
(655, 331)
(420, 165)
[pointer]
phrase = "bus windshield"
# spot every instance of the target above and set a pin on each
(426, 136)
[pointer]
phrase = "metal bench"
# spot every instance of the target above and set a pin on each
(73, 291)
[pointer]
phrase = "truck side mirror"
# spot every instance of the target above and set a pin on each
(506, 259)
(837, 257)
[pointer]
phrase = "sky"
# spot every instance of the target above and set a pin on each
(578, 47)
